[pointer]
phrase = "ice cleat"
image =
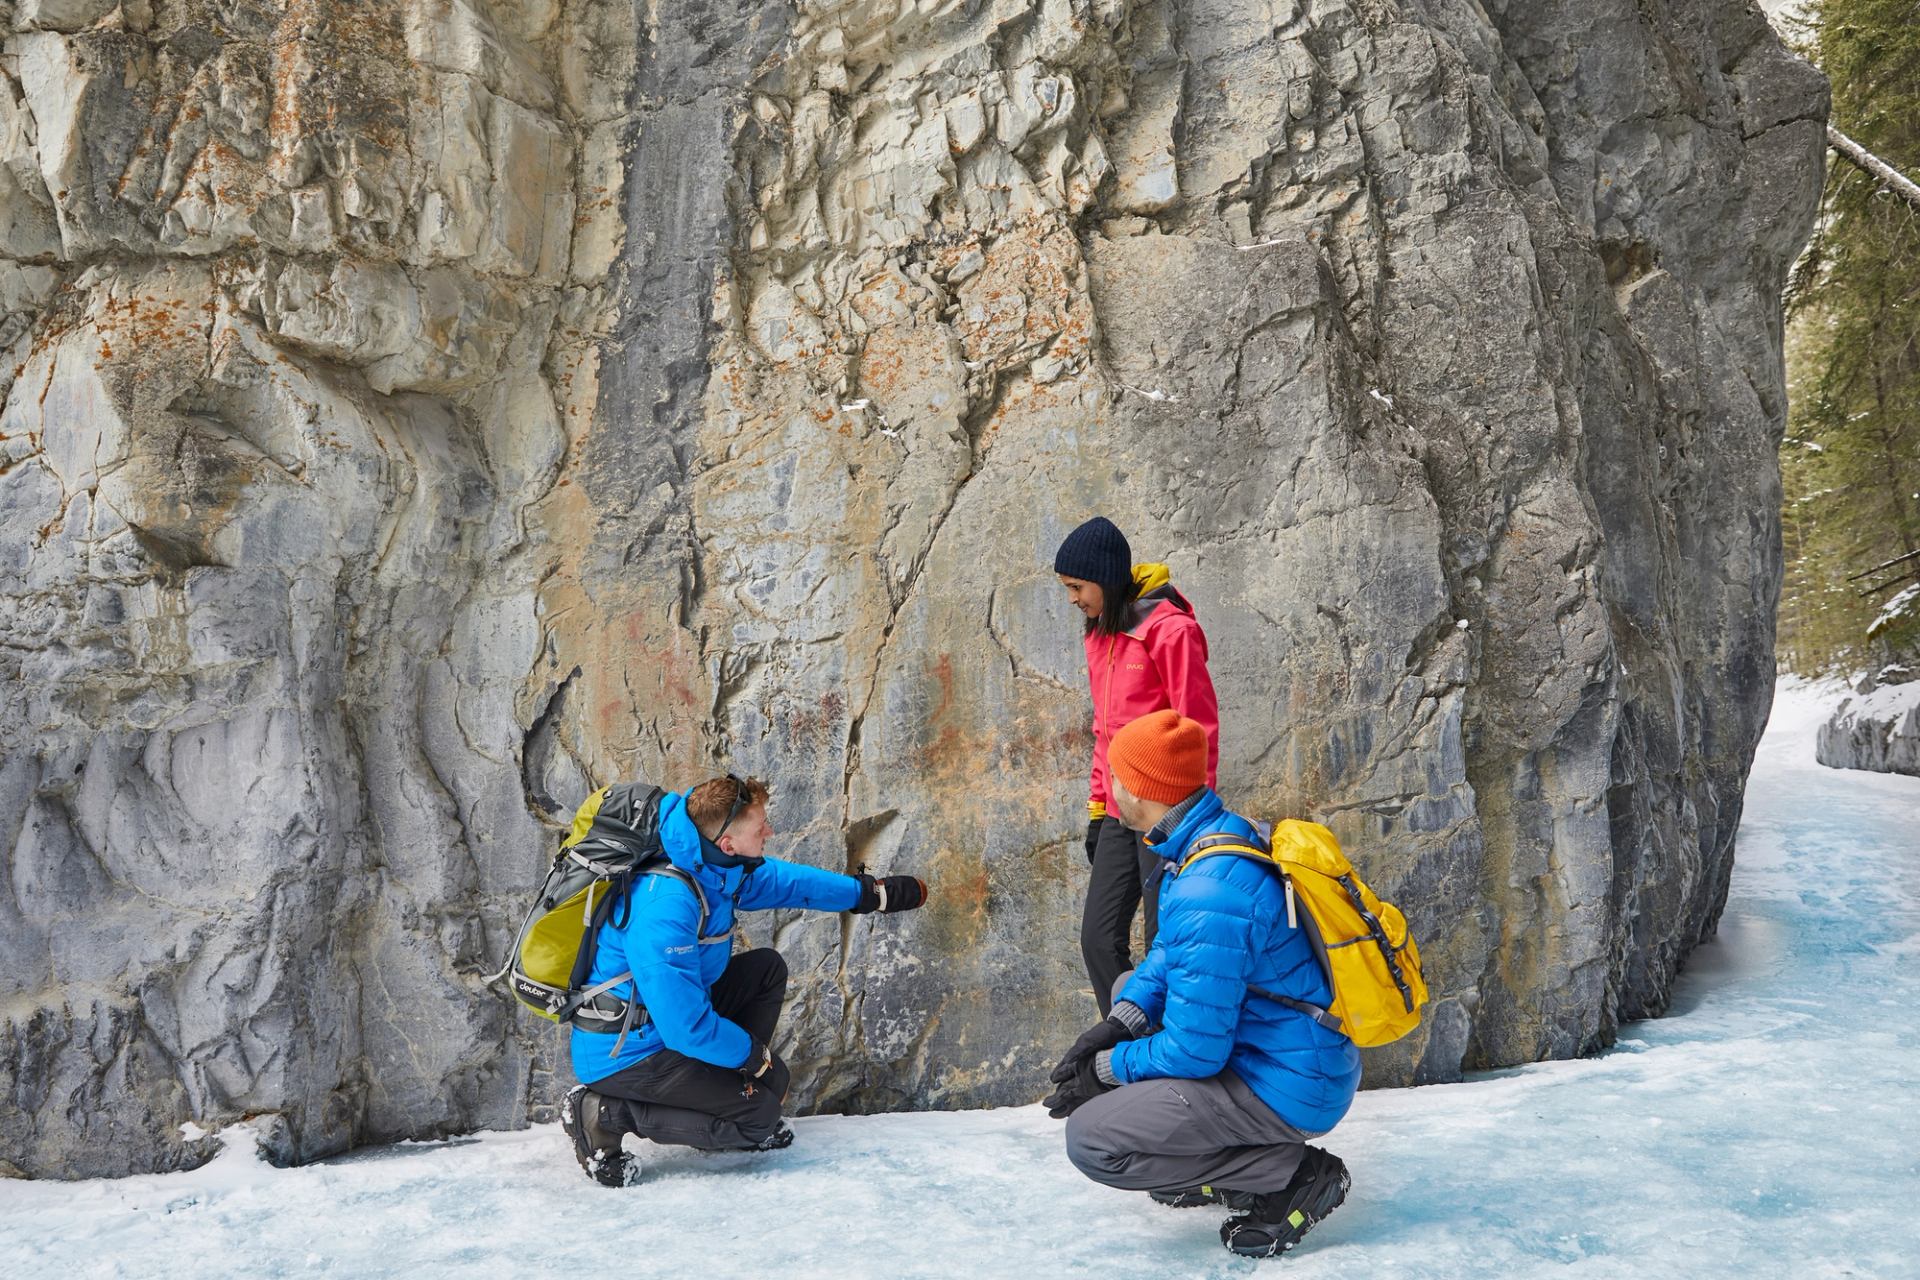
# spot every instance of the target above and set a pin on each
(596, 1148)
(1275, 1222)
(779, 1140)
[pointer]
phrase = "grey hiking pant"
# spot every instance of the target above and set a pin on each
(1172, 1135)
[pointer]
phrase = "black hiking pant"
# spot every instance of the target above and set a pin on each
(683, 1101)
(1124, 872)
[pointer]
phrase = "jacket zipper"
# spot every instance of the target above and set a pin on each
(1106, 719)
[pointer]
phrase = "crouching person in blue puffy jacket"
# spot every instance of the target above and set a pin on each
(699, 1071)
(1201, 1086)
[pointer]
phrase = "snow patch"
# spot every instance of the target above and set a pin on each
(1895, 609)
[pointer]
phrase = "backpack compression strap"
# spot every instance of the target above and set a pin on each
(1262, 853)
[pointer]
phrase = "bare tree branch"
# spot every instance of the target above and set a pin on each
(1895, 181)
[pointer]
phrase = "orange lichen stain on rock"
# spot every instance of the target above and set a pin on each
(960, 897)
(611, 717)
(943, 676)
(823, 719)
(289, 74)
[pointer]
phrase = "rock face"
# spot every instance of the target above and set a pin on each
(1878, 724)
(421, 410)
(1876, 728)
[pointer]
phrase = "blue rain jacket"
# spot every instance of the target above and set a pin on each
(673, 964)
(1223, 924)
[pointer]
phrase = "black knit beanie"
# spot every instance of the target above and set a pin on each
(1096, 552)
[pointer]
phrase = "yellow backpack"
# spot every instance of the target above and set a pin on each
(1362, 943)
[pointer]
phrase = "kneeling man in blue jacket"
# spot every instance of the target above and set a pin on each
(699, 1071)
(1200, 1087)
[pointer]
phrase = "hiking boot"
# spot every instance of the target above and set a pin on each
(779, 1140)
(1191, 1198)
(595, 1147)
(1275, 1222)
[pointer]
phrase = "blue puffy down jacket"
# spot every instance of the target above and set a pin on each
(1223, 925)
(673, 965)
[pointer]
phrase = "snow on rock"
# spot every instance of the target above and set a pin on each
(1894, 610)
(1764, 1129)
(1877, 730)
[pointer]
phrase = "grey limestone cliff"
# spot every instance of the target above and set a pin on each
(418, 411)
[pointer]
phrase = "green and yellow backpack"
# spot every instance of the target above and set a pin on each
(615, 839)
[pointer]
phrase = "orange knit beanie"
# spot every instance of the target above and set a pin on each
(1162, 757)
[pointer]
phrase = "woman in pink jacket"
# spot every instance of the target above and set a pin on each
(1145, 652)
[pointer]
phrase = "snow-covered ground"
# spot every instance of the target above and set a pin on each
(1769, 1128)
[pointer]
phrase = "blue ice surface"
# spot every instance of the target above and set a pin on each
(1768, 1127)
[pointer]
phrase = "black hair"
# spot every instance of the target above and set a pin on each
(1116, 603)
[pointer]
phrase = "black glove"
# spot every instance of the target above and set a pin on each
(1104, 1034)
(759, 1061)
(888, 895)
(1084, 1086)
(1093, 837)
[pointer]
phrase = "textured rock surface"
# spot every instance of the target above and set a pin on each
(1877, 726)
(419, 409)
(288, 294)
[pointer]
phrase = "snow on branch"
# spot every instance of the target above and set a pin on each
(1895, 181)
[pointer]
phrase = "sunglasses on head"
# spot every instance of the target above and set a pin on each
(740, 798)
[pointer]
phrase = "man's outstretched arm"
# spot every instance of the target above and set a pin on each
(776, 883)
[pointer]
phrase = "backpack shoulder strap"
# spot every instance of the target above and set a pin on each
(1262, 852)
(662, 867)
(1222, 842)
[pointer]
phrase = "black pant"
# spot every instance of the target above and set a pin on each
(1124, 871)
(672, 1098)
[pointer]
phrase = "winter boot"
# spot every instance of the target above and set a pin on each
(1191, 1198)
(595, 1147)
(1275, 1222)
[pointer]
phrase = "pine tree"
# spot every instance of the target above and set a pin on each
(1851, 459)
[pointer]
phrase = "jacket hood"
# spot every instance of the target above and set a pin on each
(1151, 577)
(678, 836)
(690, 851)
(1155, 582)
